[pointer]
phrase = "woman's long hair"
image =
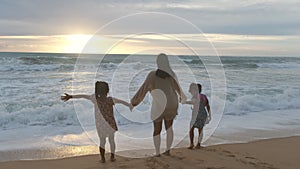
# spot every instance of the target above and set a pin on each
(162, 74)
(163, 67)
(164, 70)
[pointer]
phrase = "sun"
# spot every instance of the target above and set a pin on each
(75, 43)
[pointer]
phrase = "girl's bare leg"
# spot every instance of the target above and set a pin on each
(156, 136)
(102, 149)
(170, 135)
(191, 138)
(200, 137)
(112, 143)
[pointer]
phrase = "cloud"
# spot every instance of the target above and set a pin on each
(31, 17)
(257, 27)
(256, 18)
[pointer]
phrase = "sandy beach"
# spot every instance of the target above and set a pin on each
(271, 153)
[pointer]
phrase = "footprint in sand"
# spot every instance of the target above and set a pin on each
(251, 158)
(200, 161)
(154, 163)
(210, 149)
(178, 155)
(228, 153)
(123, 166)
(256, 163)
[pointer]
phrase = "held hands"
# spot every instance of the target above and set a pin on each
(66, 97)
(182, 99)
(131, 107)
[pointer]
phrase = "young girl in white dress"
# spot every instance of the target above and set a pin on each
(104, 115)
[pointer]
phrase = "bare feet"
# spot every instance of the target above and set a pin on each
(112, 158)
(167, 153)
(198, 146)
(102, 154)
(102, 160)
(191, 146)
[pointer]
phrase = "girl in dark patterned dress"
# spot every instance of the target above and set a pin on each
(104, 115)
(200, 114)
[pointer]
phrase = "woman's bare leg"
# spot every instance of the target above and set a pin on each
(170, 135)
(156, 136)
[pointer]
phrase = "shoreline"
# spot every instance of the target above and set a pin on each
(266, 153)
(55, 145)
(69, 151)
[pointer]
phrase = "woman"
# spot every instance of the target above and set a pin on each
(164, 89)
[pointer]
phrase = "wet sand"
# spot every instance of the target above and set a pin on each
(280, 153)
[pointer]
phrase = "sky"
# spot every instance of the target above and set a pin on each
(205, 27)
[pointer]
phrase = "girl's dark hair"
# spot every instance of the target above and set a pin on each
(162, 74)
(101, 88)
(199, 87)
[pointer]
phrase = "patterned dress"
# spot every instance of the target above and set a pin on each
(200, 115)
(104, 116)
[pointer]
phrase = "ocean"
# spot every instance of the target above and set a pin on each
(252, 98)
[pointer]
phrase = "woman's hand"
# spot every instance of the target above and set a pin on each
(66, 97)
(182, 99)
(131, 107)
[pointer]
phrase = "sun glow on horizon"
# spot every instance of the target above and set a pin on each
(75, 43)
(226, 44)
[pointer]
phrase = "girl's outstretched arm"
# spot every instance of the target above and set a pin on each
(188, 102)
(119, 101)
(193, 101)
(208, 109)
(66, 97)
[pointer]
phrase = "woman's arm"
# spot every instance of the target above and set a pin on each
(179, 91)
(119, 101)
(141, 93)
(66, 97)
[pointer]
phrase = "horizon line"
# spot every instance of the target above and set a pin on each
(35, 52)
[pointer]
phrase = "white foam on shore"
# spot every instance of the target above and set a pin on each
(232, 129)
(256, 126)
